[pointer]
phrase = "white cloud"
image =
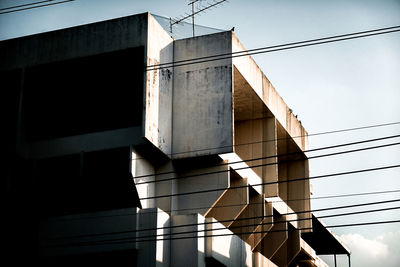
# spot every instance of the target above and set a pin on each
(384, 250)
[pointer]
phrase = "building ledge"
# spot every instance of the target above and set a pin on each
(323, 241)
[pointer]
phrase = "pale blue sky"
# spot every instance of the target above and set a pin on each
(333, 86)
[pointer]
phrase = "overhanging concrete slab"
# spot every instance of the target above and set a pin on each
(323, 241)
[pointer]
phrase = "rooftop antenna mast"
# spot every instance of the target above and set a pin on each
(199, 10)
(192, 3)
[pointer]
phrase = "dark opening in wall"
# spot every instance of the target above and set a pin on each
(84, 95)
(85, 182)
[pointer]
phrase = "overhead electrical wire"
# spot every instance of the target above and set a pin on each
(33, 5)
(285, 138)
(289, 137)
(231, 228)
(28, 4)
(137, 239)
(234, 227)
(235, 205)
(257, 217)
(275, 48)
(270, 183)
(274, 201)
(261, 165)
(257, 232)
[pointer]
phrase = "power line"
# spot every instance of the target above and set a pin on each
(275, 48)
(284, 154)
(292, 137)
(267, 223)
(29, 6)
(275, 182)
(259, 165)
(286, 138)
(138, 239)
(134, 239)
(250, 218)
(232, 227)
(236, 205)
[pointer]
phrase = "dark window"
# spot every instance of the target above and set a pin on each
(83, 95)
(86, 182)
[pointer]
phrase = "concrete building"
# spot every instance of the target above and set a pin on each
(111, 160)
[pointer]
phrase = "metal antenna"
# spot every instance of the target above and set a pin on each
(192, 3)
(202, 9)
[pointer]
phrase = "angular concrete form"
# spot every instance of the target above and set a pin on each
(216, 156)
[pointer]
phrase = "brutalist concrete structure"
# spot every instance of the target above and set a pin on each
(112, 160)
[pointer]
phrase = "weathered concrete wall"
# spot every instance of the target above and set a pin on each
(202, 101)
(85, 40)
(158, 92)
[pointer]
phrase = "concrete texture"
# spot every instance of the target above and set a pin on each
(202, 91)
(199, 128)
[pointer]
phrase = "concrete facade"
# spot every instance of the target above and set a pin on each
(210, 149)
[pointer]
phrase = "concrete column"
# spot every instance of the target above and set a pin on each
(256, 138)
(270, 148)
(153, 244)
(167, 204)
(143, 172)
(299, 192)
(226, 248)
(188, 251)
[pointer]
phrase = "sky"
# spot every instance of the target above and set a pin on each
(330, 87)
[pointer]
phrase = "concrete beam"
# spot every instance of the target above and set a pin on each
(275, 238)
(242, 226)
(232, 202)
